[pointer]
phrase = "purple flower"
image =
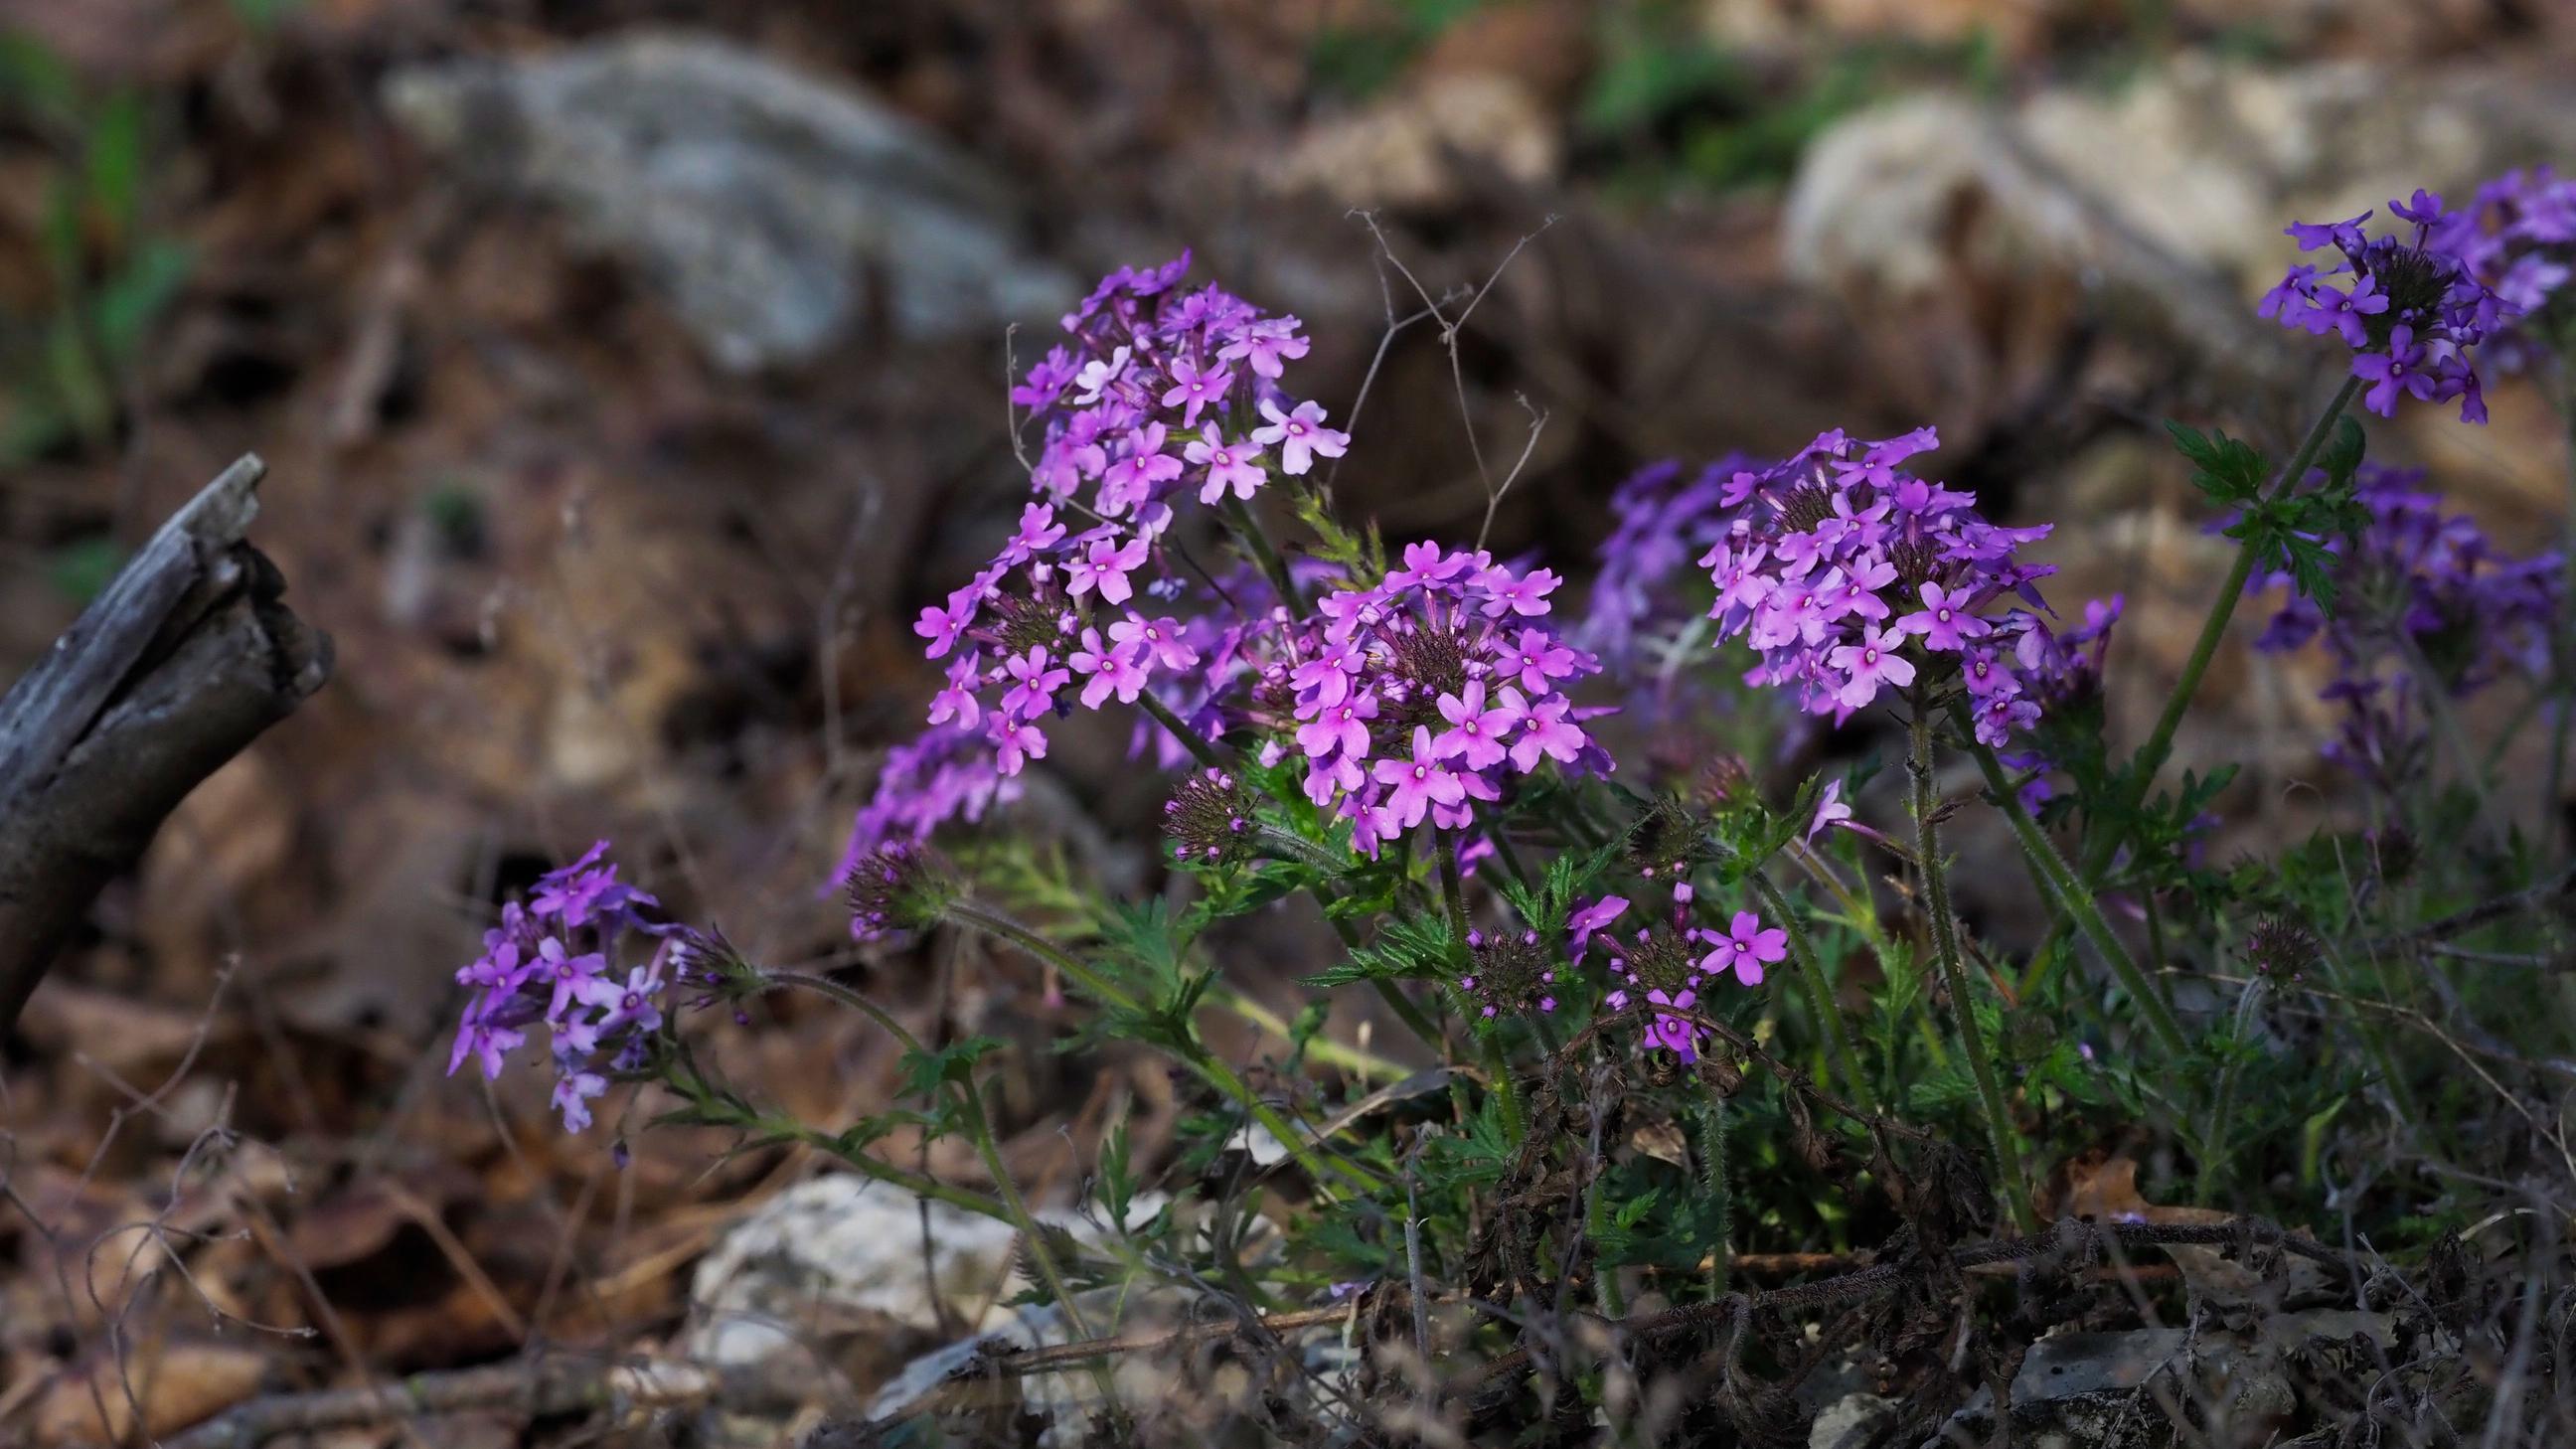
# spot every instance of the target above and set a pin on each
(1424, 653)
(1811, 558)
(1194, 388)
(1300, 436)
(1105, 567)
(1265, 344)
(2414, 309)
(1415, 785)
(1944, 621)
(1745, 948)
(1229, 465)
(1870, 662)
(1830, 811)
(493, 1043)
(2417, 584)
(1474, 736)
(1594, 917)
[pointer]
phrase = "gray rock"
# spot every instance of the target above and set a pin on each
(756, 200)
(2166, 198)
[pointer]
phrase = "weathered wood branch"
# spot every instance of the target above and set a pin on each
(184, 659)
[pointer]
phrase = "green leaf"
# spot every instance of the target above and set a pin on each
(924, 1072)
(114, 164)
(2227, 469)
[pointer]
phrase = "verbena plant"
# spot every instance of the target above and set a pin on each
(1666, 1006)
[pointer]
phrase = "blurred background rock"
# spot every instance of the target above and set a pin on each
(630, 372)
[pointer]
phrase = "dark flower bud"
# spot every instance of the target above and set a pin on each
(2280, 949)
(1209, 820)
(1510, 974)
(897, 887)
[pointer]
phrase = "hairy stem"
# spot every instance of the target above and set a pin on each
(1200, 749)
(2565, 653)
(2151, 755)
(2075, 899)
(1453, 894)
(1945, 948)
(1715, 1188)
(974, 915)
(1820, 992)
(1256, 541)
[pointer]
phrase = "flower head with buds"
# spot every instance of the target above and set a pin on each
(897, 887)
(1510, 973)
(1209, 820)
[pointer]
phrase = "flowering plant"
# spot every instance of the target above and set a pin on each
(1581, 863)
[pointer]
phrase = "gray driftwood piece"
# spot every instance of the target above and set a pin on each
(184, 659)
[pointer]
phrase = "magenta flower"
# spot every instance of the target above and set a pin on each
(1300, 436)
(1869, 663)
(1034, 684)
(1194, 388)
(1830, 811)
(1107, 670)
(1130, 482)
(1229, 465)
(1525, 595)
(1159, 641)
(958, 701)
(1593, 918)
(1545, 730)
(1264, 345)
(1039, 533)
(1944, 622)
(1745, 948)
(1415, 785)
(1341, 729)
(1475, 733)
(1105, 567)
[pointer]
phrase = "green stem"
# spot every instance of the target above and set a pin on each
(2075, 900)
(1945, 948)
(1322, 1048)
(2151, 755)
(788, 1129)
(1283, 843)
(825, 986)
(1820, 992)
(979, 1130)
(1507, 1092)
(1453, 894)
(1200, 750)
(1714, 1187)
(2566, 640)
(976, 916)
(1256, 539)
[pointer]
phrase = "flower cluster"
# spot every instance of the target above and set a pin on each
(1668, 965)
(2064, 671)
(549, 962)
(2410, 307)
(2426, 598)
(1663, 517)
(1847, 574)
(1160, 391)
(1155, 393)
(1428, 692)
(2517, 235)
